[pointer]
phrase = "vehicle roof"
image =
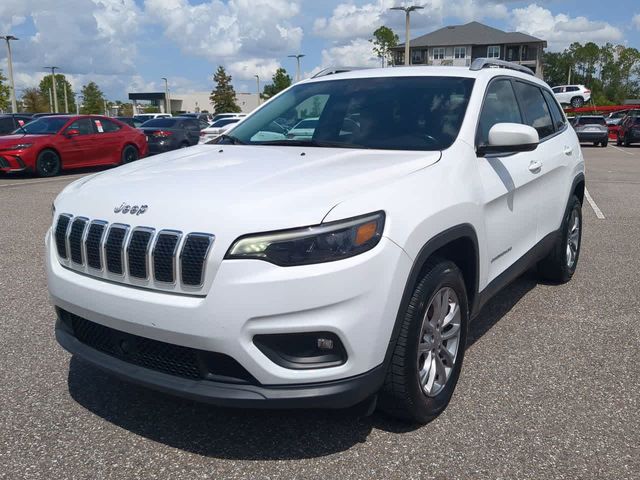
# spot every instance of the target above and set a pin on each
(428, 71)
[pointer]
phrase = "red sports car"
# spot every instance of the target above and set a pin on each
(49, 144)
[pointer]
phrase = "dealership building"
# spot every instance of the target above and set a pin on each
(188, 102)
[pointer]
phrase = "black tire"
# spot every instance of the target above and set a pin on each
(626, 142)
(129, 154)
(556, 266)
(48, 164)
(577, 102)
(595, 144)
(618, 140)
(184, 145)
(402, 395)
(605, 143)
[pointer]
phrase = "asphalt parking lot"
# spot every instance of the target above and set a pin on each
(549, 388)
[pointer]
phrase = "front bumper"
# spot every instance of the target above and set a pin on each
(12, 161)
(356, 299)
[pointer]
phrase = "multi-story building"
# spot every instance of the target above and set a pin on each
(461, 44)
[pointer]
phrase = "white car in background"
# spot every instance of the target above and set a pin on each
(303, 129)
(217, 128)
(574, 95)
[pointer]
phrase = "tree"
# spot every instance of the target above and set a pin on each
(4, 93)
(92, 99)
(223, 96)
(33, 101)
(384, 39)
(61, 82)
(280, 81)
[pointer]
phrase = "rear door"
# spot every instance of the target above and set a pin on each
(192, 130)
(80, 150)
(511, 191)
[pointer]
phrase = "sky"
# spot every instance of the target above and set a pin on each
(129, 45)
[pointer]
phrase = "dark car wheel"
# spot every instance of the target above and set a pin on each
(184, 145)
(129, 154)
(605, 143)
(618, 139)
(577, 102)
(428, 354)
(626, 141)
(560, 264)
(48, 164)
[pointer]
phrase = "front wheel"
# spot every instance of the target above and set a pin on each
(560, 264)
(48, 164)
(428, 354)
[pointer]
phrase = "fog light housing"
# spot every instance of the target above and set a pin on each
(301, 351)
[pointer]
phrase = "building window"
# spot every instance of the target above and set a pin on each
(417, 56)
(460, 52)
(438, 53)
(493, 51)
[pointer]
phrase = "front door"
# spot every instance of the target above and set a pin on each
(511, 194)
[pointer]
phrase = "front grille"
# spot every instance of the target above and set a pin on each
(137, 252)
(163, 357)
(164, 260)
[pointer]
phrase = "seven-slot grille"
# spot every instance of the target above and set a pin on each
(140, 255)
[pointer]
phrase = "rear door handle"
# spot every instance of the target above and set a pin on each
(535, 166)
(568, 150)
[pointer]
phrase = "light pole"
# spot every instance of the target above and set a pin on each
(53, 85)
(12, 88)
(258, 81)
(167, 106)
(297, 57)
(407, 11)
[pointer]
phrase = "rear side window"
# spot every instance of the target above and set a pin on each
(556, 113)
(572, 89)
(500, 106)
(535, 110)
(107, 125)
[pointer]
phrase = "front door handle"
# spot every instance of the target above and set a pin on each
(568, 150)
(535, 166)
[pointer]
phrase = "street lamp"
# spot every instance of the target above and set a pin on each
(53, 85)
(297, 57)
(12, 88)
(258, 81)
(167, 105)
(407, 11)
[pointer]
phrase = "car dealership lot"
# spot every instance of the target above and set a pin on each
(549, 388)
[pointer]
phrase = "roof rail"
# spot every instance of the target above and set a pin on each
(334, 70)
(480, 63)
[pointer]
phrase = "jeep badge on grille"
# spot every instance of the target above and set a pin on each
(132, 209)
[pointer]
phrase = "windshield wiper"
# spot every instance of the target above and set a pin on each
(231, 139)
(310, 143)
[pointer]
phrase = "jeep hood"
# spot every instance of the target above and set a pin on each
(240, 188)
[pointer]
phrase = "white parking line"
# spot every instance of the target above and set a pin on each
(35, 182)
(623, 151)
(595, 208)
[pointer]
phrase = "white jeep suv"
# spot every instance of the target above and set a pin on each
(330, 271)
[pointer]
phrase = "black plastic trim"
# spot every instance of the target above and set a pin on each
(334, 394)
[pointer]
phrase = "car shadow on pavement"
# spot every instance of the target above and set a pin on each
(18, 176)
(248, 434)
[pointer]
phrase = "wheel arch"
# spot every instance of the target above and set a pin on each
(578, 187)
(458, 244)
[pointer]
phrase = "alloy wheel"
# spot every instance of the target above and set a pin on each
(439, 341)
(573, 238)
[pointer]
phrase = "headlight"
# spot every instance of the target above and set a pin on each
(21, 146)
(321, 243)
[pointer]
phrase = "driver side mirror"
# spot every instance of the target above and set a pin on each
(72, 132)
(510, 138)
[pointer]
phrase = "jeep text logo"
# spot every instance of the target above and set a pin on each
(132, 209)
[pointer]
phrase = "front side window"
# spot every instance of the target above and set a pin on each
(438, 53)
(460, 52)
(493, 51)
(392, 113)
(535, 110)
(500, 106)
(82, 125)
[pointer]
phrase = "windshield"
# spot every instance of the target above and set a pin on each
(396, 113)
(43, 126)
(161, 122)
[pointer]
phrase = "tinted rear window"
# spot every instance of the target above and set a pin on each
(591, 121)
(161, 122)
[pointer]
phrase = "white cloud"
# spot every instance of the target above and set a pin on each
(636, 21)
(247, 68)
(349, 20)
(561, 30)
(357, 53)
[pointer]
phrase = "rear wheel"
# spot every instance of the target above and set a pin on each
(577, 102)
(605, 143)
(428, 354)
(560, 264)
(618, 139)
(48, 164)
(626, 140)
(129, 154)
(184, 145)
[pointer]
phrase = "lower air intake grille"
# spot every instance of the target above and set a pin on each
(155, 355)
